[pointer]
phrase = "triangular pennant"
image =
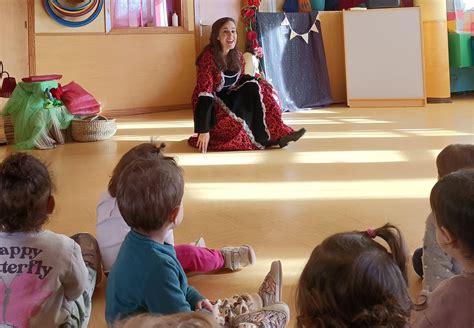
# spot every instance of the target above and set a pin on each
(317, 17)
(293, 34)
(314, 28)
(305, 37)
(285, 22)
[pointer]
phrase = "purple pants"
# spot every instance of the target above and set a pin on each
(199, 259)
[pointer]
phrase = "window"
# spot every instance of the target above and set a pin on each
(469, 4)
(138, 14)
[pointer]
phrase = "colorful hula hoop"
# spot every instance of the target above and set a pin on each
(62, 21)
(56, 2)
(76, 13)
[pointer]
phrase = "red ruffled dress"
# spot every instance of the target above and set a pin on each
(239, 112)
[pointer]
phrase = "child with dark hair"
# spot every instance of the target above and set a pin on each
(431, 262)
(451, 304)
(351, 280)
(148, 278)
(45, 281)
(111, 228)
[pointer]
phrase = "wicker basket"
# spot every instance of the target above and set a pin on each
(9, 130)
(93, 128)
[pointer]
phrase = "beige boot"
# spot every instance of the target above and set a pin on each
(271, 288)
(274, 316)
(90, 253)
(238, 257)
(229, 308)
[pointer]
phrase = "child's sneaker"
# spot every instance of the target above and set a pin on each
(274, 316)
(90, 253)
(271, 288)
(238, 257)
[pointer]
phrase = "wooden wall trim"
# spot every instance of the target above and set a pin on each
(414, 102)
(144, 110)
(31, 37)
(197, 30)
(150, 30)
(69, 34)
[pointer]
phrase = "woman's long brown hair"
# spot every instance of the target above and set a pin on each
(231, 62)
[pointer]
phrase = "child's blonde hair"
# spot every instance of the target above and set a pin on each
(178, 320)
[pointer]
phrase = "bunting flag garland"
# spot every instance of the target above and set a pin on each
(304, 36)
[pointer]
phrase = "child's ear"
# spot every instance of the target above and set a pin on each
(174, 215)
(51, 204)
(448, 238)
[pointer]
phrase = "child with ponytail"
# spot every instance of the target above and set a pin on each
(351, 280)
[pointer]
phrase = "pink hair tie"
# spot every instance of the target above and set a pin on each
(372, 233)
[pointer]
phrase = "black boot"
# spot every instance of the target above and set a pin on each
(293, 136)
(269, 143)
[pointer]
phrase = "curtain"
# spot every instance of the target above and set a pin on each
(460, 16)
(141, 13)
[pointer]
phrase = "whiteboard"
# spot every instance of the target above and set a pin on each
(384, 54)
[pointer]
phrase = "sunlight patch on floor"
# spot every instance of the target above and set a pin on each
(308, 157)
(157, 138)
(155, 125)
(305, 190)
(352, 134)
(434, 132)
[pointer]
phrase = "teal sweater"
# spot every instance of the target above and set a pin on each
(147, 277)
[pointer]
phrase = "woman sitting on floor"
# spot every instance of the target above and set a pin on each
(234, 111)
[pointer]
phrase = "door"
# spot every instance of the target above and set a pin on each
(13, 42)
(207, 12)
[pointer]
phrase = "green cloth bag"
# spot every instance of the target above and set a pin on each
(30, 119)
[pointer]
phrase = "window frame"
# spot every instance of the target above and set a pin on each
(183, 27)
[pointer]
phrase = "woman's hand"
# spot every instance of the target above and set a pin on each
(203, 141)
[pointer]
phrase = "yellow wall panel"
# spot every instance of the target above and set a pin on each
(123, 71)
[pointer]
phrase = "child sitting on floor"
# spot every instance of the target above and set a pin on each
(451, 304)
(111, 229)
(147, 277)
(45, 281)
(351, 280)
(431, 262)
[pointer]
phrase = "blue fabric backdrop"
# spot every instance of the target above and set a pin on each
(296, 69)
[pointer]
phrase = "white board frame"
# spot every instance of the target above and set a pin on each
(384, 57)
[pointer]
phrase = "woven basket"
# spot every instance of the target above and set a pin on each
(9, 130)
(93, 128)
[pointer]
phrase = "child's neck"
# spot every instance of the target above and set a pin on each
(157, 235)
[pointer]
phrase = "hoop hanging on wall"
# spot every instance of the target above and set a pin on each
(73, 13)
(50, 4)
(56, 2)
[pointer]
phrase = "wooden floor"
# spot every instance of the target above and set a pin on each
(354, 169)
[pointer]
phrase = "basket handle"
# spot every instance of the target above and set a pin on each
(2, 71)
(93, 118)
